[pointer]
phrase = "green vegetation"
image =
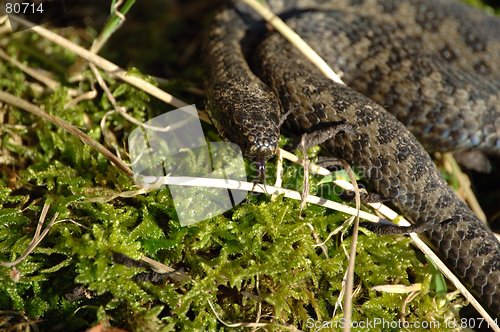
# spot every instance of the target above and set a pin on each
(256, 263)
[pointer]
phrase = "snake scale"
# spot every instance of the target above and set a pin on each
(433, 65)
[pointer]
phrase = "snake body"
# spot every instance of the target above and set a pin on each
(435, 65)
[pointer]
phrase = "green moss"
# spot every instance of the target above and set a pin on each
(260, 258)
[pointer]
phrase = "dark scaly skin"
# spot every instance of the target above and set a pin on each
(395, 163)
(233, 89)
(446, 93)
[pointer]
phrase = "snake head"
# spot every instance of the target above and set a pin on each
(250, 120)
(261, 146)
(256, 121)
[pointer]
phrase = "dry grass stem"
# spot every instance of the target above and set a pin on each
(102, 63)
(349, 284)
(36, 74)
(294, 39)
(39, 235)
(452, 166)
(35, 110)
(249, 186)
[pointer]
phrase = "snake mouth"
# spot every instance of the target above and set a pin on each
(262, 148)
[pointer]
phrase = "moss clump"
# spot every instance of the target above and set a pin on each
(257, 262)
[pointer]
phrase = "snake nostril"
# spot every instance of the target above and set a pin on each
(268, 151)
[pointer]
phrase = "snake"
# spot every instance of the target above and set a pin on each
(421, 76)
